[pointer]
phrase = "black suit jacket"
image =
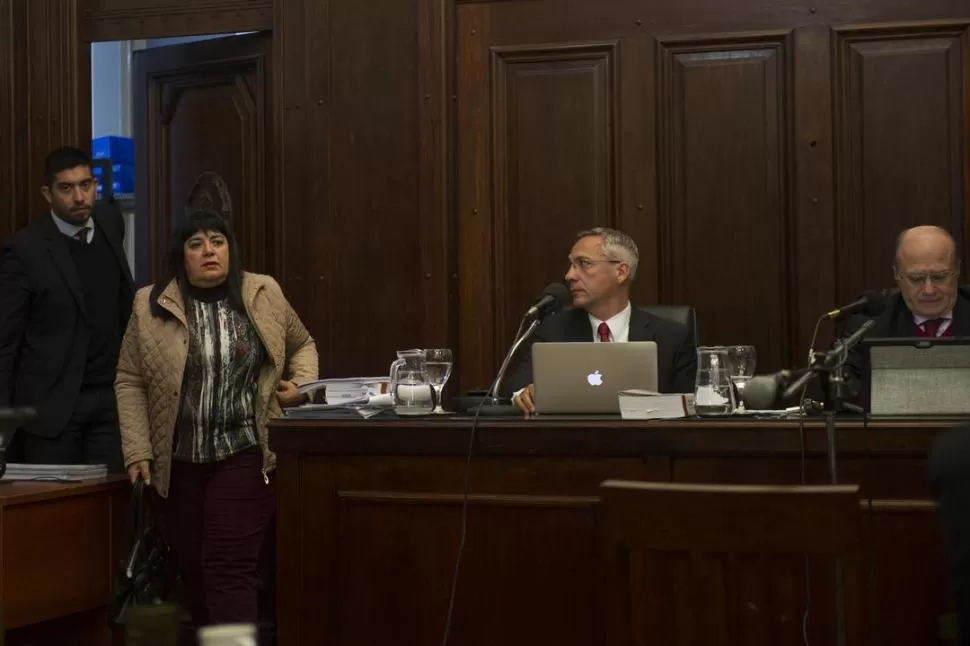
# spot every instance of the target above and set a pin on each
(43, 334)
(896, 321)
(676, 356)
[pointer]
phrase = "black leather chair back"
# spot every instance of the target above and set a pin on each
(683, 314)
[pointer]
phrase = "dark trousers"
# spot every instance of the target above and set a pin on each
(90, 437)
(950, 471)
(215, 520)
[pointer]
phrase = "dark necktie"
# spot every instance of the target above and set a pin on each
(604, 331)
(82, 234)
(932, 326)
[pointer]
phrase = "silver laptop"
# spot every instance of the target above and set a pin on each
(587, 377)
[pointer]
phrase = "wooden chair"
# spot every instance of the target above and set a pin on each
(708, 565)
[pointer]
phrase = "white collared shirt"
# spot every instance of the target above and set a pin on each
(619, 325)
(70, 230)
(944, 325)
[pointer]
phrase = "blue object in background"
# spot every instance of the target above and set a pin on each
(120, 150)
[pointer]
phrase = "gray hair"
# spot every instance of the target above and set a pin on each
(616, 246)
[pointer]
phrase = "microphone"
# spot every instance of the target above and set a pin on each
(840, 348)
(761, 391)
(860, 305)
(553, 298)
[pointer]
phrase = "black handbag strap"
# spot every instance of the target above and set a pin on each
(136, 523)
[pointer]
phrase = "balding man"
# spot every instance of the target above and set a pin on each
(602, 264)
(929, 302)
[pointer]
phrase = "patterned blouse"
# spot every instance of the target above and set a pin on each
(217, 418)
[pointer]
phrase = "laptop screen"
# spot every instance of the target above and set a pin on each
(918, 375)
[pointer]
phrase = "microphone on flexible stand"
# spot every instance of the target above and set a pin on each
(554, 297)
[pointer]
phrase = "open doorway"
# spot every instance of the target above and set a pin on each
(191, 118)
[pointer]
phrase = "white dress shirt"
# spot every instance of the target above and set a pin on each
(619, 325)
(70, 230)
(944, 324)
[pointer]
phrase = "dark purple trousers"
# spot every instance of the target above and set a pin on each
(215, 520)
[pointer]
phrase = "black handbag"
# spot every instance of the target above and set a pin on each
(146, 573)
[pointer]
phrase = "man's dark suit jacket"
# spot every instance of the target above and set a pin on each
(43, 335)
(896, 321)
(676, 356)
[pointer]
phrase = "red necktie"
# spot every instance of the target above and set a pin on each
(604, 331)
(932, 326)
(82, 234)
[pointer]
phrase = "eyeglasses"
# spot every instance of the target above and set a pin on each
(935, 278)
(585, 264)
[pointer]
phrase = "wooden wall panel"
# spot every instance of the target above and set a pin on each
(45, 99)
(724, 122)
(131, 19)
(553, 118)
(384, 220)
(901, 118)
(13, 115)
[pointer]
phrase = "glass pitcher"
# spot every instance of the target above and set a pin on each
(411, 391)
(713, 390)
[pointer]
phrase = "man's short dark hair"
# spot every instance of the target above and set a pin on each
(61, 159)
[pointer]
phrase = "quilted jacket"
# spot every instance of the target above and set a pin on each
(152, 363)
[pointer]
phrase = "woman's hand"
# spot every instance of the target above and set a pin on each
(141, 468)
(288, 394)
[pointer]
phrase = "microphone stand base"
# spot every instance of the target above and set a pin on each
(495, 410)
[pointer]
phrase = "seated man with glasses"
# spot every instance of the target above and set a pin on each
(929, 302)
(602, 264)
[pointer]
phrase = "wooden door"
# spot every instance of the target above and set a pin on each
(203, 134)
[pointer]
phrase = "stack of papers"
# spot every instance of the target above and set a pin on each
(346, 389)
(360, 408)
(54, 472)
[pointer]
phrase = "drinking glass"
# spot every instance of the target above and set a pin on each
(742, 358)
(439, 362)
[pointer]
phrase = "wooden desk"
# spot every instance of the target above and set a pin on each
(58, 552)
(370, 516)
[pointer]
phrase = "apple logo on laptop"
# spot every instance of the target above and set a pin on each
(595, 378)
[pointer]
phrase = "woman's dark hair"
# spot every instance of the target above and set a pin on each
(187, 226)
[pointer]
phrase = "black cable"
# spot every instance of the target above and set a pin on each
(801, 440)
(464, 503)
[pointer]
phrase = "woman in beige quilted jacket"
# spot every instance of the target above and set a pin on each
(210, 354)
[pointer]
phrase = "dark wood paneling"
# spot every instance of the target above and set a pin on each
(205, 107)
(724, 128)
(370, 521)
(51, 102)
(544, 180)
(13, 95)
(901, 118)
(549, 531)
(384, 223)
(131, 19)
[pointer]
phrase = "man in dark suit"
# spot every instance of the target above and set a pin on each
(602, 264)
(65, 294)
(929, 302)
